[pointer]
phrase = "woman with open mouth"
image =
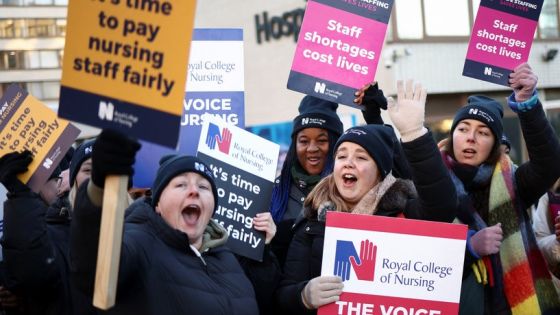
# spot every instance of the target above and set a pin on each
(504, 271)
(362, 182)
(173, 257)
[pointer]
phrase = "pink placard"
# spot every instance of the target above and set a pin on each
(501, 39)
(338, 46)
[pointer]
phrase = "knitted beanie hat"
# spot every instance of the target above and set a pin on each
(317, 113)
(377, 140)
(82, 153)
(483, 109)
(173, 165)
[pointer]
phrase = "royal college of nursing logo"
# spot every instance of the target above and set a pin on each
(216, 139)
(346, 257)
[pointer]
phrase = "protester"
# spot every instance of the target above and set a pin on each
(546, 223)
(309, 158)
(35, 243)
(362, 182)
(173, 259)
(504, 270)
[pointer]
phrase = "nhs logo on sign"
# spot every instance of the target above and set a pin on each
(320, 87)
(488, 71)
(106, 110)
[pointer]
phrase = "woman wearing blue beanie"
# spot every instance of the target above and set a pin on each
(362, 182)
(173, 259)
(504, 271)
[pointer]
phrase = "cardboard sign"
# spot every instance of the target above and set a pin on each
(393, 265)
(339, 47)
(125, 64)
(501, 38)
(244, 167)
(215, 86)
(27, 124)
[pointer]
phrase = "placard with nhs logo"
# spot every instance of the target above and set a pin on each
(244, 168)
(393, 265)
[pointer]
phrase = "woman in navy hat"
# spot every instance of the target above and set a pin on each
(362, 182)
(173, 258)
(504, 270)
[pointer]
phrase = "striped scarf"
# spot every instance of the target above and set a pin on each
(522, 284)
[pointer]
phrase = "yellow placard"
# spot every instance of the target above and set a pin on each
(132, 50)
(28, 124)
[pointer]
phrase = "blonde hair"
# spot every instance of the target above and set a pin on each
(325, 191)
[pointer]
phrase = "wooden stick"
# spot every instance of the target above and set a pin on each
(110, 239)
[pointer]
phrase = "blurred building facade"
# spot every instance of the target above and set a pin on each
(427, 41)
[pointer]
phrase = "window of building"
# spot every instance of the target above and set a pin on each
(44, 90)
(22, 28)
(32, 59)
(453, 19)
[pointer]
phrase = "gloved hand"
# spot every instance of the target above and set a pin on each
(11, 165)
(322, 290)
(373, 100)
(407, 113)
(113, 154)
(523, 82)
(487, 241)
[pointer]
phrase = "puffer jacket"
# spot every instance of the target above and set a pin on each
(159, 273)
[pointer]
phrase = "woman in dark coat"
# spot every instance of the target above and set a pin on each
(362, 182)
(504, 270)
(173, 258)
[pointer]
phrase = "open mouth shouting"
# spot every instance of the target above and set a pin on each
(191, 214)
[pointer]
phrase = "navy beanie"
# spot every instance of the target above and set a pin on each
(377, 140)
(173, 165)
(317, 113)
(483, 109)
(82, 153)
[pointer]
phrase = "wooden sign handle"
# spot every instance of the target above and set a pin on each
(110, 239)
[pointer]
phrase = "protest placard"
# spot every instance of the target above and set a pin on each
(215, 86)
(244, 168)
(393, 265)
(125, 65)
(501, 38)
(28, 124)
(338, 48)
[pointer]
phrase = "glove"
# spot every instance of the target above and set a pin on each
(113, 154)
(322, 290)
(487, 241)
(11, 165)
(373, 100)
(523, 82)
(407, 113)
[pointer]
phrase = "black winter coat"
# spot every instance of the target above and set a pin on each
(36, 256)
(159, 273)
(436, 200)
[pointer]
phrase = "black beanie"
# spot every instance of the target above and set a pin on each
(317, 113)
(483, 109)
(82, 153)
(173, 165)
(377, 140)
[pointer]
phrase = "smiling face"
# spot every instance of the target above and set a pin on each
(355, 172)
(312, 147)
(187, 204)
(472, 142)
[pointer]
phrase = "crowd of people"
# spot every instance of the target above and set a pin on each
(175, 259)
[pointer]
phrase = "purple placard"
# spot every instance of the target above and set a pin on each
(501, 40)
(338, 50)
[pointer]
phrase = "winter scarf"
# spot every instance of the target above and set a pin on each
(387, 196)
(521, 282)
